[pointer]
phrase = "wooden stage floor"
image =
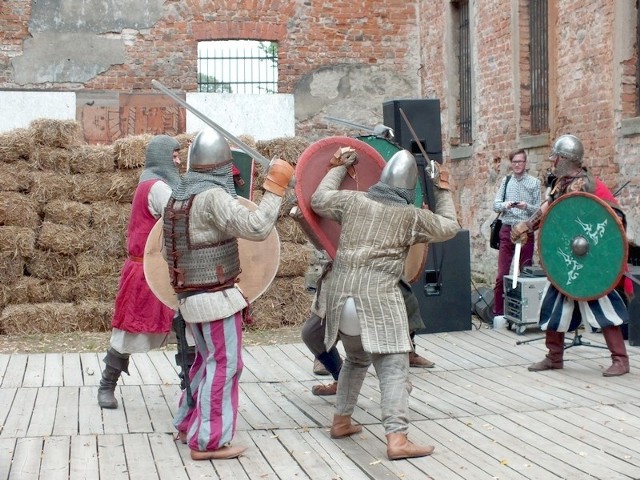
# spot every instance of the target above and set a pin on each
(488, 417)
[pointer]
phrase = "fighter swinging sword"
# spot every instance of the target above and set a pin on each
(239, 143)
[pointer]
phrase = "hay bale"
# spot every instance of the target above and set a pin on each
(91, 187)
(18, 210)
(56, 133)
(290, 231)
(35, 290)
(49, 186)
(15, 177)
(56, 317)
(16, 145)
(51, 158)
(101, 261)
(110, 216)
(64, 239)
(50, 265)
(294, 259)
(11, 268)
(123, 185)
(64, 212)
(286, 148)
(129, 152)
(286, 302)
(92, 159)
(17, 241)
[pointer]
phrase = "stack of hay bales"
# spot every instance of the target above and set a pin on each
(64, 210)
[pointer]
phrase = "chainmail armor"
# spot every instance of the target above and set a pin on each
(386, 194)
(204, 267)
(193, 183)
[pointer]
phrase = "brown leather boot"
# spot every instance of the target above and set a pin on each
(322, 390)
(342, 427)
(222, 453)
(554, 341)
(399, 446)
(615, 341)
(319, 368)
(416, 360)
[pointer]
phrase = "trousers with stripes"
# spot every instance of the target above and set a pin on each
(214, 378)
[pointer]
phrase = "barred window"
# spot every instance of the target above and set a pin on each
(461, 11)
(539, 65)
(238, 66)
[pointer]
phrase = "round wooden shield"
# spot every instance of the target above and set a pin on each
(259, 262)
(583, 247)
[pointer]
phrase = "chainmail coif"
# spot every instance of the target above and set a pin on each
(158, 161)
(193, 183)
(383, 193)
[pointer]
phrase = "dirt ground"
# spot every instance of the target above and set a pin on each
(99, 342)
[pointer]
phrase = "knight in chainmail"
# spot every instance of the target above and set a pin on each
(140, 321)
(365, 306)
(202, 223)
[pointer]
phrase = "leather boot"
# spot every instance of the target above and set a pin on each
(319, 368)
(223, 453)
(116, 363)
(342, 427)
(554, 341)
(418, 361)
(399, 446)
(324, 390)
(615, 341)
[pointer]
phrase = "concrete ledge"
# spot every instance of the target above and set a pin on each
(458, 153)
(630, 126)
(534, 141)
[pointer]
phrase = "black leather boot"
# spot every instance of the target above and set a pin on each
(116, 363)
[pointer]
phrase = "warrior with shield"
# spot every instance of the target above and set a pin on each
(203, 221)
(563, 306)
(365, 306)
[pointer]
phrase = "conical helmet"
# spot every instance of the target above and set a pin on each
(569, 147)
(400, 171)
(208, 151)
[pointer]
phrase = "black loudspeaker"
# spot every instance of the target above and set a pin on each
(444, 289)
(633, 328)
(424, 116)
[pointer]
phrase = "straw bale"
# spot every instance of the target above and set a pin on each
(286, 148)
(15, 145)
(91, 187)
(123, 185)
(289, 230)
(247, 140)
(14, 177)
(110, 216)
(56, 317)
(294, 259)
(51, 265)
(51, 158)
(129, 152)
(101, 288)
(11, 268)
(66, 212)
(35, 290)
(18, 210)
(57, 133)
(99, 261)
(92, 159)
(49, 186)
(64, 239)
(5, 296)
(286, 302)
(18, 241)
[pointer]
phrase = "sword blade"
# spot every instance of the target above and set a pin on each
(516, 265)
(349, 124)
(239, 143)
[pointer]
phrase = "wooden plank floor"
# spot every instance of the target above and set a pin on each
(488, 417)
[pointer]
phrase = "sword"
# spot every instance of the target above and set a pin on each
(179, 326)
(430, 164)
(379, 130)
(516, 264)
(239, 143)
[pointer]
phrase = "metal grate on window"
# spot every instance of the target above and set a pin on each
(464, 69)
(238, 66)
(539, 58)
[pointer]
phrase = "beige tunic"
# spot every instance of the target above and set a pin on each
(217, 216)
(374, 243)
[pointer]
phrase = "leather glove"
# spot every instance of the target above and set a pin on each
(279, 175)
(441, 176)
(520, 233)
(346, 156)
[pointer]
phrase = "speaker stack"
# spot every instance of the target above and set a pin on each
(444, 288)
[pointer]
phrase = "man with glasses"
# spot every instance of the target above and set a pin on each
(517, 199)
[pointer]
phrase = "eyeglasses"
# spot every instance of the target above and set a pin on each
(518, 161)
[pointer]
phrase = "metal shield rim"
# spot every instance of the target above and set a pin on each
(156, 269)
(618, 223)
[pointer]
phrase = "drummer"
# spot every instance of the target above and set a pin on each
(559, 313)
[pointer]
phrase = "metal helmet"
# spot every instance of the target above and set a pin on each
(208, 151)
(569, 147)
(400, 171)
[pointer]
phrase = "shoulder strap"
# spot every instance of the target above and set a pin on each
(504, 194)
